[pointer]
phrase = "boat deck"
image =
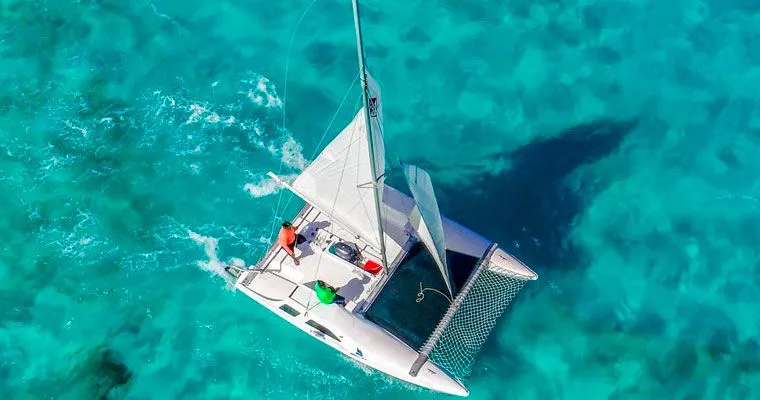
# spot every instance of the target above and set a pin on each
(277, 278)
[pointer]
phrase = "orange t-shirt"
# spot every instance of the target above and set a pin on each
(287, 237)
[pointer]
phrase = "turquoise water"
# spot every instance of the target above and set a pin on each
(610, 144)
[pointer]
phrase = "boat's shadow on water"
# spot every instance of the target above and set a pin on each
(529, 209)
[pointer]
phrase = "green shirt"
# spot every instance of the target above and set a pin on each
(325, 295)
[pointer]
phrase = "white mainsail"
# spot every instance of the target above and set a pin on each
(429, 225)
(339, 180)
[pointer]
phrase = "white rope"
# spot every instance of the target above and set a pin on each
(279, 211)
(287, 60)
(421, 294)
(284, 108)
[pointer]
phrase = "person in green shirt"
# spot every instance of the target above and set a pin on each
(328, 294)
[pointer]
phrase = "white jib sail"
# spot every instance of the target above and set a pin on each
(429, 226)
(339, 180)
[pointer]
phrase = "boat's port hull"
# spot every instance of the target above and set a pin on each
(362, 341)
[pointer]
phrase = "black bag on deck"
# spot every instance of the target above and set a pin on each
(345, 251)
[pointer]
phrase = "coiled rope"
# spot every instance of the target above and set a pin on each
(421, 294)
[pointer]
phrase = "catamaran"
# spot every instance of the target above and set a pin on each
(375, 244)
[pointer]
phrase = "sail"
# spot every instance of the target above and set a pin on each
(339, 180)
(429, 226)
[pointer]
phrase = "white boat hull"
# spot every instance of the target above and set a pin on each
(287, 290)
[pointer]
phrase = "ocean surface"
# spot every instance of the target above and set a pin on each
(611, 145)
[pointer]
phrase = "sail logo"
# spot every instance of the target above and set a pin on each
(373, 107)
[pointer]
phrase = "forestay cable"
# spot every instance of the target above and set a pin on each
(284, 108)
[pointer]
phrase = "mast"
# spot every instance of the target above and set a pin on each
(368, 122)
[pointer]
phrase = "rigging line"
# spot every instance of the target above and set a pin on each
(287, 60)
(278, 212)
(284, 107)
(324, 134)
(342, 102)
(421, 294)
(335, 200)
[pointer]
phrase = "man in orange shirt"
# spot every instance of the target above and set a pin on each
(287, 239)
